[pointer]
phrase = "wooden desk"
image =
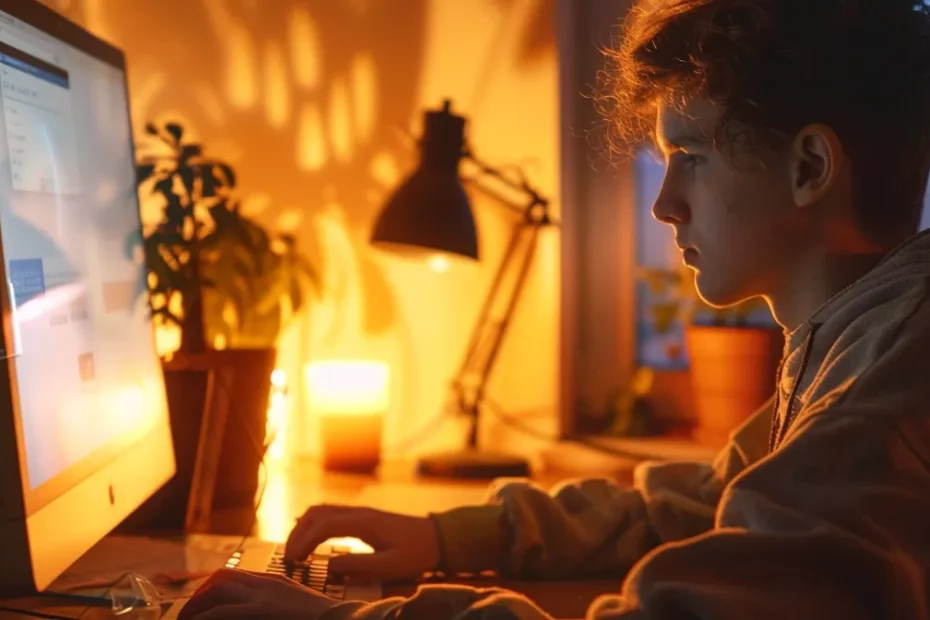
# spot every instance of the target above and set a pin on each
(291, 488)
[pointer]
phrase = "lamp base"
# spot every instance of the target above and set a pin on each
(473, 465)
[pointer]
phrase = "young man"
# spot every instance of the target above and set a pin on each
(797, 137)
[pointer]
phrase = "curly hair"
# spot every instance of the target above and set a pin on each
(860, 66)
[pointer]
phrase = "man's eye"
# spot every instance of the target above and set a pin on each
(690, 159)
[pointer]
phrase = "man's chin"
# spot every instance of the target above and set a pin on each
(716, 294)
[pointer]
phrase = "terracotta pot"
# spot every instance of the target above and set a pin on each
(732, 374)
(246, 424)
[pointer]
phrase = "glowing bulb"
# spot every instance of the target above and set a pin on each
(438, 263)
(278, 378)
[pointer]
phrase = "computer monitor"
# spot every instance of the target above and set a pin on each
(84, 432)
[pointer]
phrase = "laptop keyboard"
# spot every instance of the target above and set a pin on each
(312, 573)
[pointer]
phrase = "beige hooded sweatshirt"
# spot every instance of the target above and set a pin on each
(819, 511)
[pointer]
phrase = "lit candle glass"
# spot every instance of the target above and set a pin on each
(350, 400)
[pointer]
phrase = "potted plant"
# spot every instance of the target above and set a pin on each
(227, 283)
(733, 352)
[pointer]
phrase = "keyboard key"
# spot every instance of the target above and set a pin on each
(312, 573)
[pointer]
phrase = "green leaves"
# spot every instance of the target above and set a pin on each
(251, 282)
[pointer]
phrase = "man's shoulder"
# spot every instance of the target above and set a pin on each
(877, 352)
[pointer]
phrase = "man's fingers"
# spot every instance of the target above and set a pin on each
(217, 593)
(308, 536)
(323, 510)
(312, 516)
(378, 565)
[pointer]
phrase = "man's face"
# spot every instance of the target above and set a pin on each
(732, 209)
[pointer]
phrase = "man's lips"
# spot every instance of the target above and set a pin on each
(689, 255)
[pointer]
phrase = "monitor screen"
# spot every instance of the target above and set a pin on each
(85, 368)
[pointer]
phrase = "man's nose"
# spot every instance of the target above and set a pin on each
(670, 207)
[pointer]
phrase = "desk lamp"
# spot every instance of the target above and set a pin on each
(429, 215)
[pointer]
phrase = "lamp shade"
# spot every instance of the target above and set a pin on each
(430, 211)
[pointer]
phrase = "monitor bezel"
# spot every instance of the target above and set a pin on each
(51, 23)
(65, 516)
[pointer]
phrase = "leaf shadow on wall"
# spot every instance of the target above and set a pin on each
(537, 36)
(302, 97)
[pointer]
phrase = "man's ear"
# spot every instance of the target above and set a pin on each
(816, 162)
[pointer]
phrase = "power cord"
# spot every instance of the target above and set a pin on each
(511, 421)
(427, 429)
(36, 614)
(261, 449)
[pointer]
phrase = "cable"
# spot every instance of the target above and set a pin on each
(427, 428)
(261, 450)
(594, 446)
(263, 475)
(35, 614)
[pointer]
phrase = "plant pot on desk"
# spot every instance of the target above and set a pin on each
(244, 439)
(733, 372)
(218, 403)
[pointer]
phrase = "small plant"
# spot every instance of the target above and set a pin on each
(221, 277)
(678, 300)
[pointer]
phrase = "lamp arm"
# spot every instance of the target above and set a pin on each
(488, 335)
(536, 208)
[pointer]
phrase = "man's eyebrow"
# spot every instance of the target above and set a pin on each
(672, 141)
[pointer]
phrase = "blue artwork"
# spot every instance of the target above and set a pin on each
(660, 343)
(28, 279)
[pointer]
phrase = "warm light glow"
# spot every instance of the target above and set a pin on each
(438, 263)
(305, 49)
(311, 148)
(275, 519)
(122, 410)
(364, 95)
(290, 220)
(240, 71)
(350, 400)
(347, 387)
(354, 545)
(376, 306)
(126, 407)
(277, 416)
(277, 95)
(167, 339)
(241, 80)
(340, 129)
(384, 169)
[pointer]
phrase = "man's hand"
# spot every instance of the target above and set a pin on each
(405, 547)
(239, 595)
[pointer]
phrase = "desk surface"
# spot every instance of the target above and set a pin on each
(291, 488)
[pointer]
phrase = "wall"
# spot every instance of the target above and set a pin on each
(314, 102)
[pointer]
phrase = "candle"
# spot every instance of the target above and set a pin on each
(349, 400)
